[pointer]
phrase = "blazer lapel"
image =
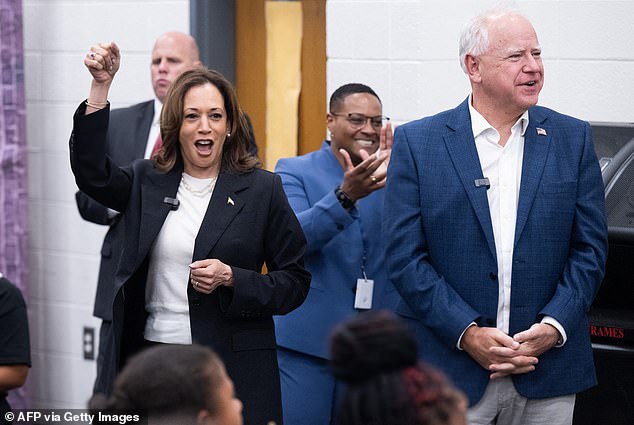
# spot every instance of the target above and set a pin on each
(142, 126)
(537, 139)
(154, 189)
(464, 155)
(225, 204)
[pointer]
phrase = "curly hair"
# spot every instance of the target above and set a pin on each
(376, 356)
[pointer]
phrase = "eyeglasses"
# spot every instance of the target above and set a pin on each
(359, 120)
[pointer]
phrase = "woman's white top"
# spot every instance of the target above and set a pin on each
(168, 275)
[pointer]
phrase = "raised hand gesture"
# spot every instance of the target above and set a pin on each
(385, 149)
(103, 61)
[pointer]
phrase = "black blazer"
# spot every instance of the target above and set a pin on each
(248, 223)
(126, 141)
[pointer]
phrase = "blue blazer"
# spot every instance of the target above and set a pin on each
(335, 243)
(441, 252)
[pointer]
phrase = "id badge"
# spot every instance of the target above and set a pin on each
(363, 296)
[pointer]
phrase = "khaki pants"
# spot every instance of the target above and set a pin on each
(502, 405)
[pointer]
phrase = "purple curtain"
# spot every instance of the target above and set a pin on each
(13, 183)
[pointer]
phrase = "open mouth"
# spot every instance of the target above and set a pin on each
(204, 147)
(530, 83)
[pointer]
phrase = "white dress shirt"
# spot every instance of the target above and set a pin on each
(155, 129)
(502, 165)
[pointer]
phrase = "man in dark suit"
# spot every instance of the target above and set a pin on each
(497, 236)
(132, 134)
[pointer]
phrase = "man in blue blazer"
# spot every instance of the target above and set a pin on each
(496, 234)
(337, 195)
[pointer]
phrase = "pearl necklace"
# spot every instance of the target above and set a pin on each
(199, 192)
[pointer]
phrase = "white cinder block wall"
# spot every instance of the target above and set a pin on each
(405, 50)
(64, 249)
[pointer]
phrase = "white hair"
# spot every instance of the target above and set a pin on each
(474, 37)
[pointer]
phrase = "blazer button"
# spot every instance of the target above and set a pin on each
(493, 276)
(339, 226)
(489, 322)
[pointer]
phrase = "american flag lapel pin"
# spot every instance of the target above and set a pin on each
(541, 132)
(230, 201)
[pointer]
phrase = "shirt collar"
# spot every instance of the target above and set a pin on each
(157, 112)
(479, 124)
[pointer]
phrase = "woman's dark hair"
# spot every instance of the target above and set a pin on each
(235, 153)
(376, 356)
(167, 380)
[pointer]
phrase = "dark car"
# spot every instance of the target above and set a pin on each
(612, 313)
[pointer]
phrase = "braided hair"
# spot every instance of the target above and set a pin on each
(386, 384)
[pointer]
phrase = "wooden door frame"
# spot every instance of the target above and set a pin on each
(251, 75)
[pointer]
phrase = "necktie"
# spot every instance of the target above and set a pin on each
(157, 146)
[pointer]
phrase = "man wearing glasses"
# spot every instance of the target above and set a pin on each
(337, 195)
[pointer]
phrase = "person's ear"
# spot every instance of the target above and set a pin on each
(198, 64)
(330, 121)
(204, 418)
(472, 64)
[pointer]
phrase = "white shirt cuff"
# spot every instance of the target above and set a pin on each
(548, 320)
(462, 334)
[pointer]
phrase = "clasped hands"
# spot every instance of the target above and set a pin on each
(207, 275)
(370, 174)
(504, 355)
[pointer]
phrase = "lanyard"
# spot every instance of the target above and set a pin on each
(364, 257)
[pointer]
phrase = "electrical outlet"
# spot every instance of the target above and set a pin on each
(88, 343)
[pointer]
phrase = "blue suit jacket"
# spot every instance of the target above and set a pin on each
(334, 251)
(441, 251)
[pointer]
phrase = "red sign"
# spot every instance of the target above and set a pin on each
(607, 332)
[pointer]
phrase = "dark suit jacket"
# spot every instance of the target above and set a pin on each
(248, 222)
(126, 141)
(441, 252)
